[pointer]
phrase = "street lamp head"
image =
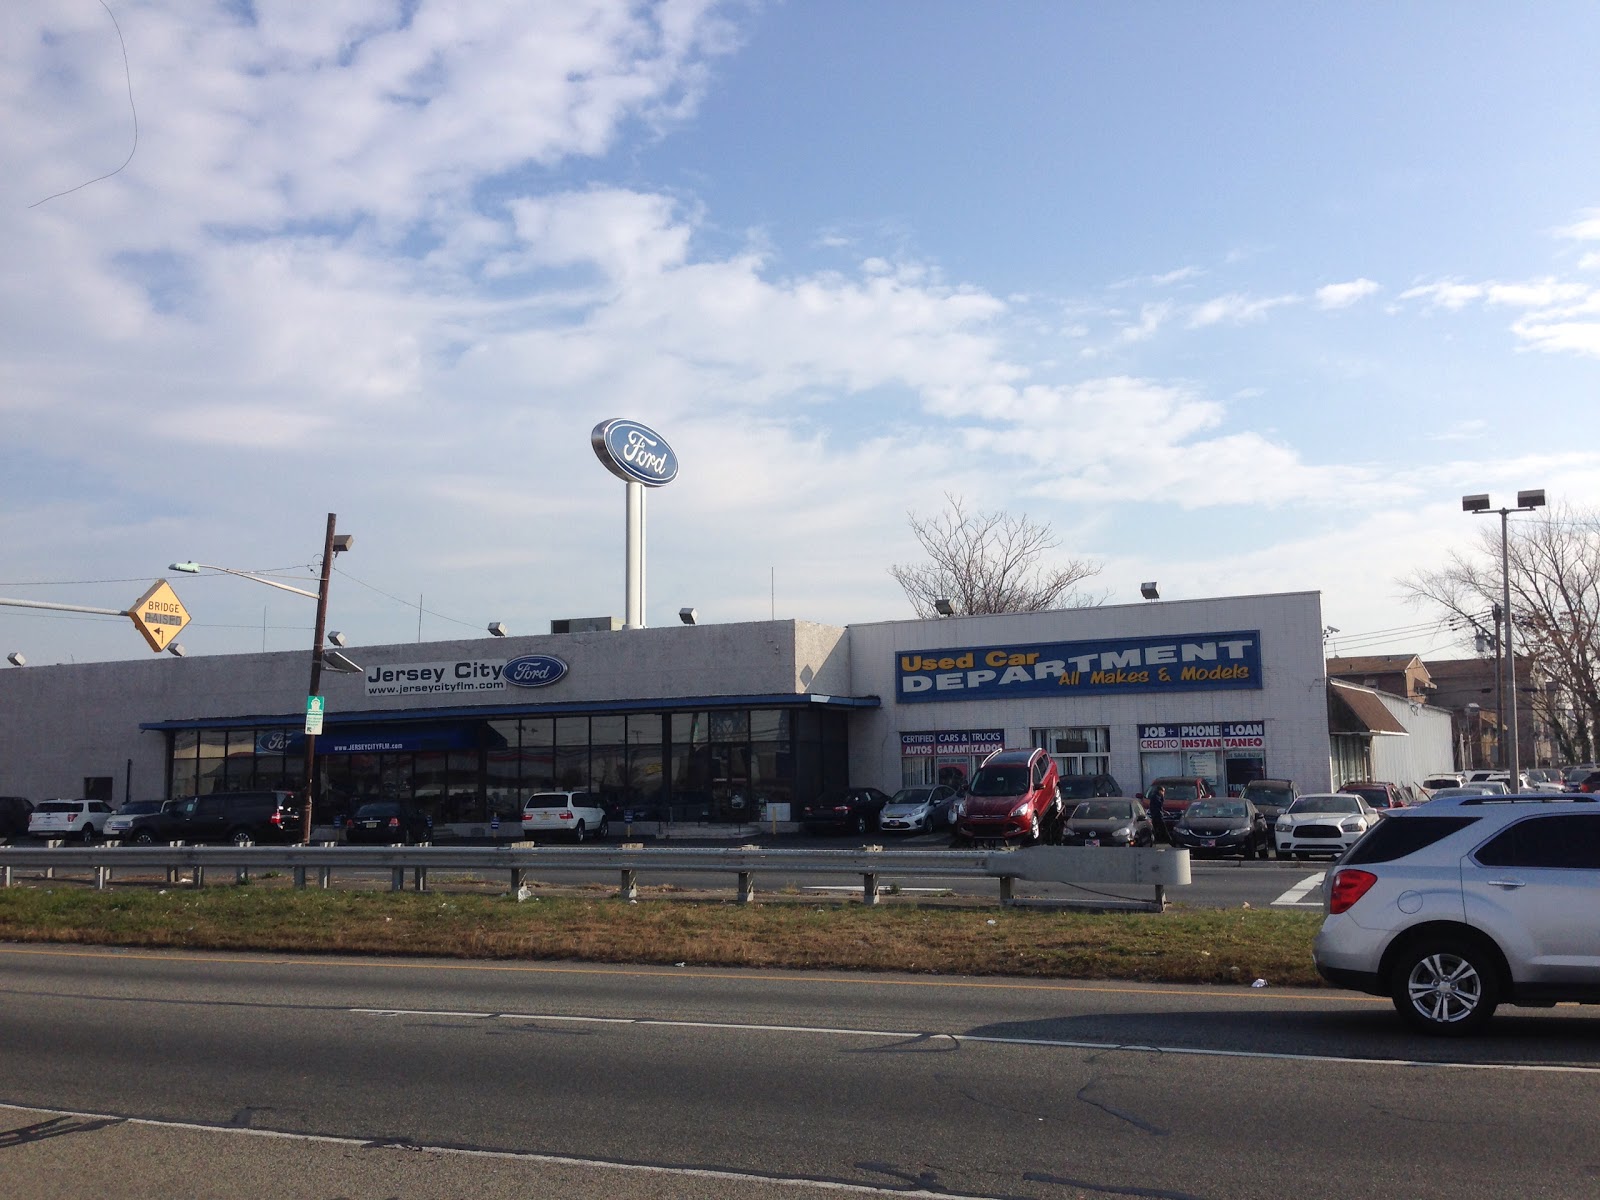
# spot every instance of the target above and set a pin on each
(343, 542)
(1476, 503)
(335, 638)
(1532, 498)
(176, 650)
(335, 661)
(188, 568)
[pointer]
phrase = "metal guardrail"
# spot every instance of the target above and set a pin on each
(1104, 867)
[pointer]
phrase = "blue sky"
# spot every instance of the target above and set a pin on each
(1237, 297)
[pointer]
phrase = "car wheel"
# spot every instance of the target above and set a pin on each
(240, 837)
(579, 833)
(605, 828)
(1445, 985)
(1033, 830)
(860, 825)
(1261, 852)
(141, 837)
(88, 835)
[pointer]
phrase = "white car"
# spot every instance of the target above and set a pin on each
(575, 815)
(83, 819)
(919, 809)
(1323, 823)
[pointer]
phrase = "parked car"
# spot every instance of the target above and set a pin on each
(130, 815)
(1222, 826)
(1323, 823)
(1464, 904)
(69, 819)
(1380, 794)
(1587, 784)
(1575, 775)
(238, 817)
(919, 809)
(575, 815)
(14, 814)
(1472, 789)
(1107, 822)
(1446, 779)
(1271, 797)
(1085, 787)
(1012, 798)
(1177, 793)
(386, 822)
(843, 810)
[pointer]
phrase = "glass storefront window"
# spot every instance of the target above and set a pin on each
(213, 753)
(609, 729)
(538, 731)
(572, 731)
(1077, 750)
(185, 763)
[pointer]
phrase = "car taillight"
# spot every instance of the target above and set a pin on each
(566, 816)
(394, 822)
(1349, 886)
(276, 819)
(71, 817)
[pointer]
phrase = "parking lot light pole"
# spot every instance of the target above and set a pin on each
(1527, 501)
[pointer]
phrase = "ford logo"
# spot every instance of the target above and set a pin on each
(634, 452)
(275, 742)
(534, 670)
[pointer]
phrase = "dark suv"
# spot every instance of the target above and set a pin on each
(237, 817)
(1379, 794)
(1086, 787)
(386, 822)
(847, 810)
(14, 813)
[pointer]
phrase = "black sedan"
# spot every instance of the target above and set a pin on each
(847, 810)
(1220, 827)
(387, 823)
(1114, 822)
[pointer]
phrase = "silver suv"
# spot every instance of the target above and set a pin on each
(1463, 904)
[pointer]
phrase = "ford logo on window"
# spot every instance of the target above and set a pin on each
(634, 452)
(534, 670)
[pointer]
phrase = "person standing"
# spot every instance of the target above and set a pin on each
(1154, 799)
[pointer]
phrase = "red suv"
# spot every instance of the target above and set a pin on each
(1379, 794)
(1012, 797)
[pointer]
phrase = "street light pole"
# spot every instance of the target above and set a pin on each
(316, 672)
(1527, 501)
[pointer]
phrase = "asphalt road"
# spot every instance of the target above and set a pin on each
(136, 1074)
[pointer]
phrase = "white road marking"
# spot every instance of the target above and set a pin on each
(958, 1038)
(1296, 895)
(507, 1155)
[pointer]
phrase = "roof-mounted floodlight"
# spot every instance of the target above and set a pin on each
(943, 607)
(176, 650)
(497, 628)
(17, 659)
(688, 616)
(1148, 591)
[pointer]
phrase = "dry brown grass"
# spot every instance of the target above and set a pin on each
(1180, 945)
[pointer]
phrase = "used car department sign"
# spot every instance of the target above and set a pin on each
(1181, 663)
(634, 452)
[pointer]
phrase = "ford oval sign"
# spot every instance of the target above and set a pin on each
(634, 452)
(534, 670)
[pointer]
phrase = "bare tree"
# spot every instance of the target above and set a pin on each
(989, 563)
(1554, 562)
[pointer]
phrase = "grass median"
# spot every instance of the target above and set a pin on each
(1237, 946)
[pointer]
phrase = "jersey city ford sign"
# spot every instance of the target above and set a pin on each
(634, 453)
(1184, 663)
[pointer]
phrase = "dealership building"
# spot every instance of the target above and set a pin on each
(698, 722)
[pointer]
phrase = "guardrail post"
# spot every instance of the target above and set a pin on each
(325, 874)
(1008, 885)
(419, 879)
(869, 889)
(747, 888)
(630, 884)
(397, 879)
(199, 876)
(172, 872)
(50, 872)
(8, 876)
(516, 878)
(299, 877)
(101, 874)
(242, 874)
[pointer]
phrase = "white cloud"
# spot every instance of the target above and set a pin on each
(1451, 296)
(1586, 229)
(1343, 295)
(1236, 309)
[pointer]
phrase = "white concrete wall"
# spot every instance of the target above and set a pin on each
(1291, 700)
(1427, 748)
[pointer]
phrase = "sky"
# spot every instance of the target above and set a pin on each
(1236, 297)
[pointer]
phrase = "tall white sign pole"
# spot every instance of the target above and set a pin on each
(641, 458)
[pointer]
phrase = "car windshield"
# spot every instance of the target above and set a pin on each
(1326, 804)
(911, 796)
(1074, 789)
(1209, 810)
(1103, 810)
(380, 809)
(1000, 781)
(1181, 791)
(1269, 795)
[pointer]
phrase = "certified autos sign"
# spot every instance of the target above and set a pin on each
(1184, 663)
(634, 452)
